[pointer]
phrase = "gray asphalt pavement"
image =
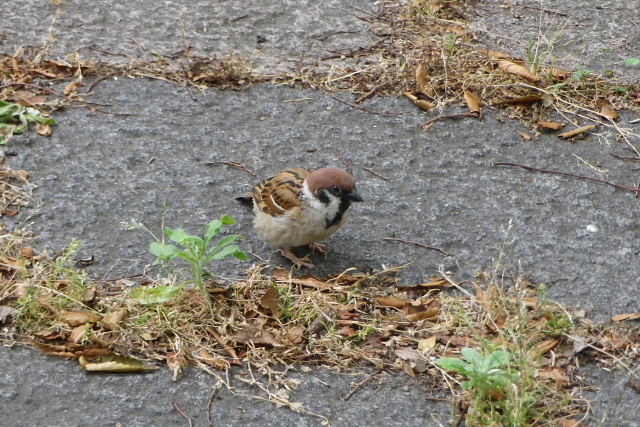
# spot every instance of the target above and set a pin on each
(97, 171)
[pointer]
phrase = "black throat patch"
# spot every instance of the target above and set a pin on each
(344, 205)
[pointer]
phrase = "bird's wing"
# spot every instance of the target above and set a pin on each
(280, 193)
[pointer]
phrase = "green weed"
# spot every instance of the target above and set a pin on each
(197, 251)
(15, 119)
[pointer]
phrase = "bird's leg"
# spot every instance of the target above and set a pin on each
(318, 247)
(299, 262)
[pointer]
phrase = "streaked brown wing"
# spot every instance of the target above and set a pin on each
(280, 193)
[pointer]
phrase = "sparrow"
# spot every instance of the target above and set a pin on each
(298, 207)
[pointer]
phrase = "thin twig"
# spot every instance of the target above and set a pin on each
(372, 172)
(542, 9)
(181, 412)
(101, 79)
(360, 384)
(625, 158)
(368, 94)
(574, 175)
(344, 161)
(112, 113)
(234, 165)
(606, 353)
(418, 244)
(426, 125)
(333, 33)
(368, 110)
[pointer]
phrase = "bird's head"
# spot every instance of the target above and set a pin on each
(336, 182)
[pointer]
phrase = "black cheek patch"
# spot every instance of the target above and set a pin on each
(344, 205)
(323, 197)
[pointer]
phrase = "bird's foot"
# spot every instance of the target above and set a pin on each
(318, 247)
(299, 262)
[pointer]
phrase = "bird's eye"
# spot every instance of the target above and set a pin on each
(335, 190)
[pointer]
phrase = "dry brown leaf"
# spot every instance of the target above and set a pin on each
(427, 344)
(271, 301)
(44, 302)
(576, 132)
(558, 73)
(391, 301)
(78, 333)
(257, 336)
(26, 252)
(435, 282)
(483, 298)
(421, 103)
(282, 275)
(409, 354)
(423, 81)
(47, 334)
(545, 346)
(518, 70)
(295, 334)
(28, 98)
(92, 351)
(113, 362)
(217, 362)
(72, 87)
(526, 99)
(524, 135)
(494, 54)
(579, 343)
(77, 318)
(348, 331)
(43, 129)
(568, 422)
(426, 314)
(55, 349)
(550, 125)
(425, 105)
(473, 101)
(408, 369)
(557, 375)
(628, 316)
(610, 113)
(111, 321)
(177, 363)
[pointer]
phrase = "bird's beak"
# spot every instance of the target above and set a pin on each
(355, 197)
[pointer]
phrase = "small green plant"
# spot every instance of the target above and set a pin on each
(632, 62)
(581, 74)
(622, 90)
(15, 119)
(558, 324)
(450, 45)
(197, 251)
(364, 332)
(487, 374)
(60, 284)
(287, 303)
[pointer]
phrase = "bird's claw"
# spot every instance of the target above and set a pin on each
(299, 262)
(318, 247)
